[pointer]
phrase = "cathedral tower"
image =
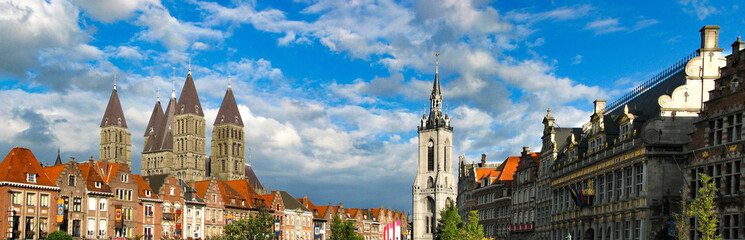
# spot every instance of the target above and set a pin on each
(227, 161)
(434, 185)
(116, 141)
(189, 135)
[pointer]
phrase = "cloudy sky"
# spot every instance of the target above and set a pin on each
(331, 91)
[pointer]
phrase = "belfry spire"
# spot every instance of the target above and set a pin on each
(59, 159)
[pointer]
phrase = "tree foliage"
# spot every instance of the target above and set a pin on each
(702, 209)
(258, 227)
(451, 227)
(343, 230)
(59, 235)
(681, 219)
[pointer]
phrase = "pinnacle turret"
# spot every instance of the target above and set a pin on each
(114, 116)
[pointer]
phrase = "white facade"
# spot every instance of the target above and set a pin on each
(435, 182)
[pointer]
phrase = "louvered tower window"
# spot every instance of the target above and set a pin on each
(431, 157)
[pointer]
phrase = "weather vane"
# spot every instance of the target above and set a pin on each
(437, 62)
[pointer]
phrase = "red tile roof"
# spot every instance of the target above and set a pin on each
(482, 173)
(143, 186)
(508, 168)
(53, 172)
(201, 187)
(18, 163)
(91, 174)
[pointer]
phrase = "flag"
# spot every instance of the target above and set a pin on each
(582, 197)
(574, 197)
(397, 230)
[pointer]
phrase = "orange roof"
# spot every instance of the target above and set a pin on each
(229, 194)
(201, 187)
(143, 186)
(322, 210)
(91, 176)
(18, 163)
(508, 168)
(53, 172)
(243, 187)
(481, 173)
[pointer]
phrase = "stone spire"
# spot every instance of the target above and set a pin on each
(228, 112)
(188, 101)
(114, 116)
(155, 118)
(436, 118)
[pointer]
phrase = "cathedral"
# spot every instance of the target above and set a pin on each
(175, 142)
(434, 185)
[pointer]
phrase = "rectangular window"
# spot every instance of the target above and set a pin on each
(43, 225)
(44, 200)
(31, 177)
(719, 130)
(628, 182)
(600, 189)
(148, 210)
(619, 181)
(102, 204)
(639, 171)
(609, 186)
(627, 230)
(76, 205)
(91, 227)
(127, 214)
(16, 198)
(91, 204)
(101, 228)
(30, 199)
(71, 180)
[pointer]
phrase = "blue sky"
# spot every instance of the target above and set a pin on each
(331, 91)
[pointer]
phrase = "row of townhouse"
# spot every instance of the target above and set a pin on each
(369, 223)
(103, 200)
(620, 175)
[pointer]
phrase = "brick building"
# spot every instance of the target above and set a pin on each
(524, 190)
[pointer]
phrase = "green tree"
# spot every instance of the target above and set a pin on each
(474, 231)
(343, 230)
(258, 227)
(681, 219)
(59, 235)
(451, 227)
(703, 209)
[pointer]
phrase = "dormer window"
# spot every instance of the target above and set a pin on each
(119, 121)
(147, 193)
(31, 177)
(125, 178)
(196, 108)
(98, 184)
(172, 190)
(243, 203)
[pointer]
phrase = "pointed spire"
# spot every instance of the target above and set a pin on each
(188, 101)
(228, 113)
(437, 63)
(59, 159)
(114, 116)
(155, 119)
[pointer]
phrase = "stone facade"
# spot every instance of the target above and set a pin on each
(717, 146)
(524, 190)
(434, 184)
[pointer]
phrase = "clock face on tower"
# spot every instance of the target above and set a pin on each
(431, 144)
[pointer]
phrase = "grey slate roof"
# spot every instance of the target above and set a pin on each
(228, 113)
(113, 112)
(155, 118)
(291, 203)
(188, 101)
(157, 181)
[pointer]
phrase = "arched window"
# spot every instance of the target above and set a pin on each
(430, 183)
(431, 156)
(430, 219)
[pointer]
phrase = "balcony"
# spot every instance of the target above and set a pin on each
(169, 216)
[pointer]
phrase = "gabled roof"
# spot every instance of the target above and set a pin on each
(18, 163)
(201, 187)
(155, 118)
(143, 186)
(229, 194)
(190, 194)
(228, 113)
(291, 203)
(92, 174)
(482, 173)
(157, 181)
(53, 172)
(114, 113)
(243, 187)
(508, 167)
(189, 99)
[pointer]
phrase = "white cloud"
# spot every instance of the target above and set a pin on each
(603, 26)
(577, 59)
(644, 23)
(173, 33)
(113, 10)
(702, 8)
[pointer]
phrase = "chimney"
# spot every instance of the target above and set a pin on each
(526, 151)
(710, 37)
(91, 159)
(483, 160)
(72, 159)
(737, 46)
(599, 105)
(341, 205)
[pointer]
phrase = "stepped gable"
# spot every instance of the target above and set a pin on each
(188, 101)
(18, 163)
(230, 196)
(53, 172)
(508, 168)
(201, 187)
(155, 118)
(163, 134)
(157, 181)
(143, 186)
(114, 113)
(244, 188)
(228, 112)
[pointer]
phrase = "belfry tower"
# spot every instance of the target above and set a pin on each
(116, 141)
(227, 161)
(434, 185)
(189, 135)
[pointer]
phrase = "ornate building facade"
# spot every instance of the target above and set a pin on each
(434, 185)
